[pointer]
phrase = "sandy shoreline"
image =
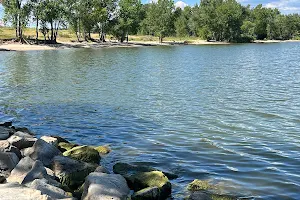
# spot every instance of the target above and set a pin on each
(70, 45)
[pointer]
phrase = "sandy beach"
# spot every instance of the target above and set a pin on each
(10, 46)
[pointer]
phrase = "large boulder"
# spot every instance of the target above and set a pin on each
(4, 133)
(48, 189)
(8, 162)
(157, 179)
(51, 140)
(27, 170)
(84, 153)
(150, 193)
(71, 173)
(5, 146)
(15, 191)
(101, 186)
(21, 140)
(127, 170)
(44, 152)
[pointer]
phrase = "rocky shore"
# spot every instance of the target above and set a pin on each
(51, 167)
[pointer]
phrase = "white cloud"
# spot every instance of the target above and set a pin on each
(180, 4)
(286, 6)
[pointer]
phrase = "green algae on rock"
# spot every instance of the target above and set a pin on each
(197, 185)
(149, 193)
(103, 149)
(65, 146)
(143, 180)
(83, 153)
(127, 170)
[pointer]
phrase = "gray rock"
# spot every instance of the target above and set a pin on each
(44, 152)
(21, 140)
(4, 133)
(51, 140)
(8, 162)
(101, 170)
(27, 151)
(199, 195)
(27, 170)
(24, 130)
(6, 124)
(71, 173)
(150, 193)
(15, 191)
(5, 146)
(101, 186)
(48, 189)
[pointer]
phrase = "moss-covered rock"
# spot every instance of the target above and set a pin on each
(127, 170)
(150, 193)
(65, 146)
(157, 179)
(103, 149)
(71, 173)
(197, 185)
(84, 153)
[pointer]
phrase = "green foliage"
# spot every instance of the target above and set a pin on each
(220, 20)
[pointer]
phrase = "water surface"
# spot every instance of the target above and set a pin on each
(229, 114)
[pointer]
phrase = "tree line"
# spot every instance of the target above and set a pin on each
(219, 20)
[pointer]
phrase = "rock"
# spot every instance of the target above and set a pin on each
(27, 170)
(103, 149)
(64, 146)
(101, 186)
(127, 170)
(50, 173)
(21, 140)
(15, 191)
(150, 193)
(59, 139)
(2, 179)
(8, 162)
(205, 195)
(199, 195)
(6, 124)
(51, 140)
(5, 146)
(50, 190)
(44, 152)
(197, 185)
(143, 180)
(101, 170)
(4, 133)
(71, 173)
(84, 153)
(27, 151)
(24, 130)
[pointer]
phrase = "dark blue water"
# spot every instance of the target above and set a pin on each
(227, 114)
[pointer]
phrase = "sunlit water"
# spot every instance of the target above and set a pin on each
(229, 114)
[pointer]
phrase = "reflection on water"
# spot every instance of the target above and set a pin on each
(229, 114)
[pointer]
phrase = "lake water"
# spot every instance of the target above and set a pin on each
(228, 114)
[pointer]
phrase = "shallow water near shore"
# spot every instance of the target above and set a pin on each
(229, 114)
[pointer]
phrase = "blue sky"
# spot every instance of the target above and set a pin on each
(285, 6)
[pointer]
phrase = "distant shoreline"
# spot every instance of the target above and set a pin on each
(12, 46)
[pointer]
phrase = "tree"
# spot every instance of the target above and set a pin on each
(182, 23)
(159, 18)
(128, 18)
(17, 12)
(53, 14)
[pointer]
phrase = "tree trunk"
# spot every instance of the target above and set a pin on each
(37, 29)
(160, 39)
(52, 32)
